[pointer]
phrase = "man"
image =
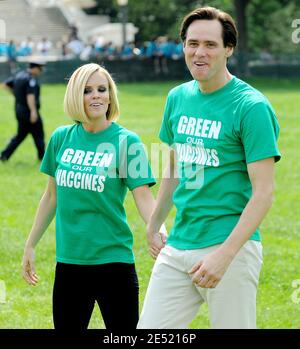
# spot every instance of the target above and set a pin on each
(26, 89)
(223, 136)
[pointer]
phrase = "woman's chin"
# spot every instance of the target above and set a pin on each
(95, 117)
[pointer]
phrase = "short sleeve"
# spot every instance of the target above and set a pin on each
(49, 162)
(134, 165)
(166, 134)
(32, 86)
(259, 133)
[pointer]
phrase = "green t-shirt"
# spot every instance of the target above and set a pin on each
(215, 135)
(93, 172)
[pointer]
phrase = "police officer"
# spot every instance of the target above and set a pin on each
(26, 89)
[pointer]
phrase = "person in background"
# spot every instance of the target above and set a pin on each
(26, 48)
(25, 87)
(44, 46)
(11, 53)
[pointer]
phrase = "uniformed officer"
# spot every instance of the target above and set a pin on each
(26, 89)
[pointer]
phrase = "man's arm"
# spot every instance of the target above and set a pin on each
(209, 271)
(32, 106)
(145, 204)
(7, 88)
(164, 201)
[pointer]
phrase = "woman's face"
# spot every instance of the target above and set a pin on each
(96, 96)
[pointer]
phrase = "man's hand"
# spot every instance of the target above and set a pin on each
(208, 272)
(156, 241)
(33, 116)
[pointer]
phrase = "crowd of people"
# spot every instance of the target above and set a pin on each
(160, 49)
(97, 47)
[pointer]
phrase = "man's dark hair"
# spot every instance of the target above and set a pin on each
(229, 31)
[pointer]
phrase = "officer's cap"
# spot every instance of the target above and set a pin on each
(36, 63)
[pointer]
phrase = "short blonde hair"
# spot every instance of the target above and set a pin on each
(73, 101)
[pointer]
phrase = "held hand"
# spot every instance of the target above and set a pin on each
(156, 241)
(208, 272)
(28, 267)
(33, 117)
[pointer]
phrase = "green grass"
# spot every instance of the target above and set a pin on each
(142, 105)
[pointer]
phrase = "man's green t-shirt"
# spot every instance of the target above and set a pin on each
(93, 172)
(215, 135)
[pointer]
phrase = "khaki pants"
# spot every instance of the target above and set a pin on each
(172, 300)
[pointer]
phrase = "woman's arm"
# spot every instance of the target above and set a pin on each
(44, 216)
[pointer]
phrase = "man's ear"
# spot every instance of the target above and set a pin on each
(229, 51)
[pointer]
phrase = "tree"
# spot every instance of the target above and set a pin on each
(157, 17)
(241, 20)
(258, 15)
(280, 29)
(104, 7)
(261, 24)
(240, 7)
(270, 25)
(163, 17)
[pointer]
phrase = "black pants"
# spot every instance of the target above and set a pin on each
(24, 128)
(114, 286)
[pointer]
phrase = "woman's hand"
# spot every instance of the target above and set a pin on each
(156, 241)
(28, 267)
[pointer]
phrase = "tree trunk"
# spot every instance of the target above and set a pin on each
(241, 19)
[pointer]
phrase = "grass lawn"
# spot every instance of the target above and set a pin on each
(21, 186)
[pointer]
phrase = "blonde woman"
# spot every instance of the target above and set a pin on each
(90, 167)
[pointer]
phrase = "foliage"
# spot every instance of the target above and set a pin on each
(270, 25)
(268, 22)
(280, 30)
(156, 17)
(105, 7)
